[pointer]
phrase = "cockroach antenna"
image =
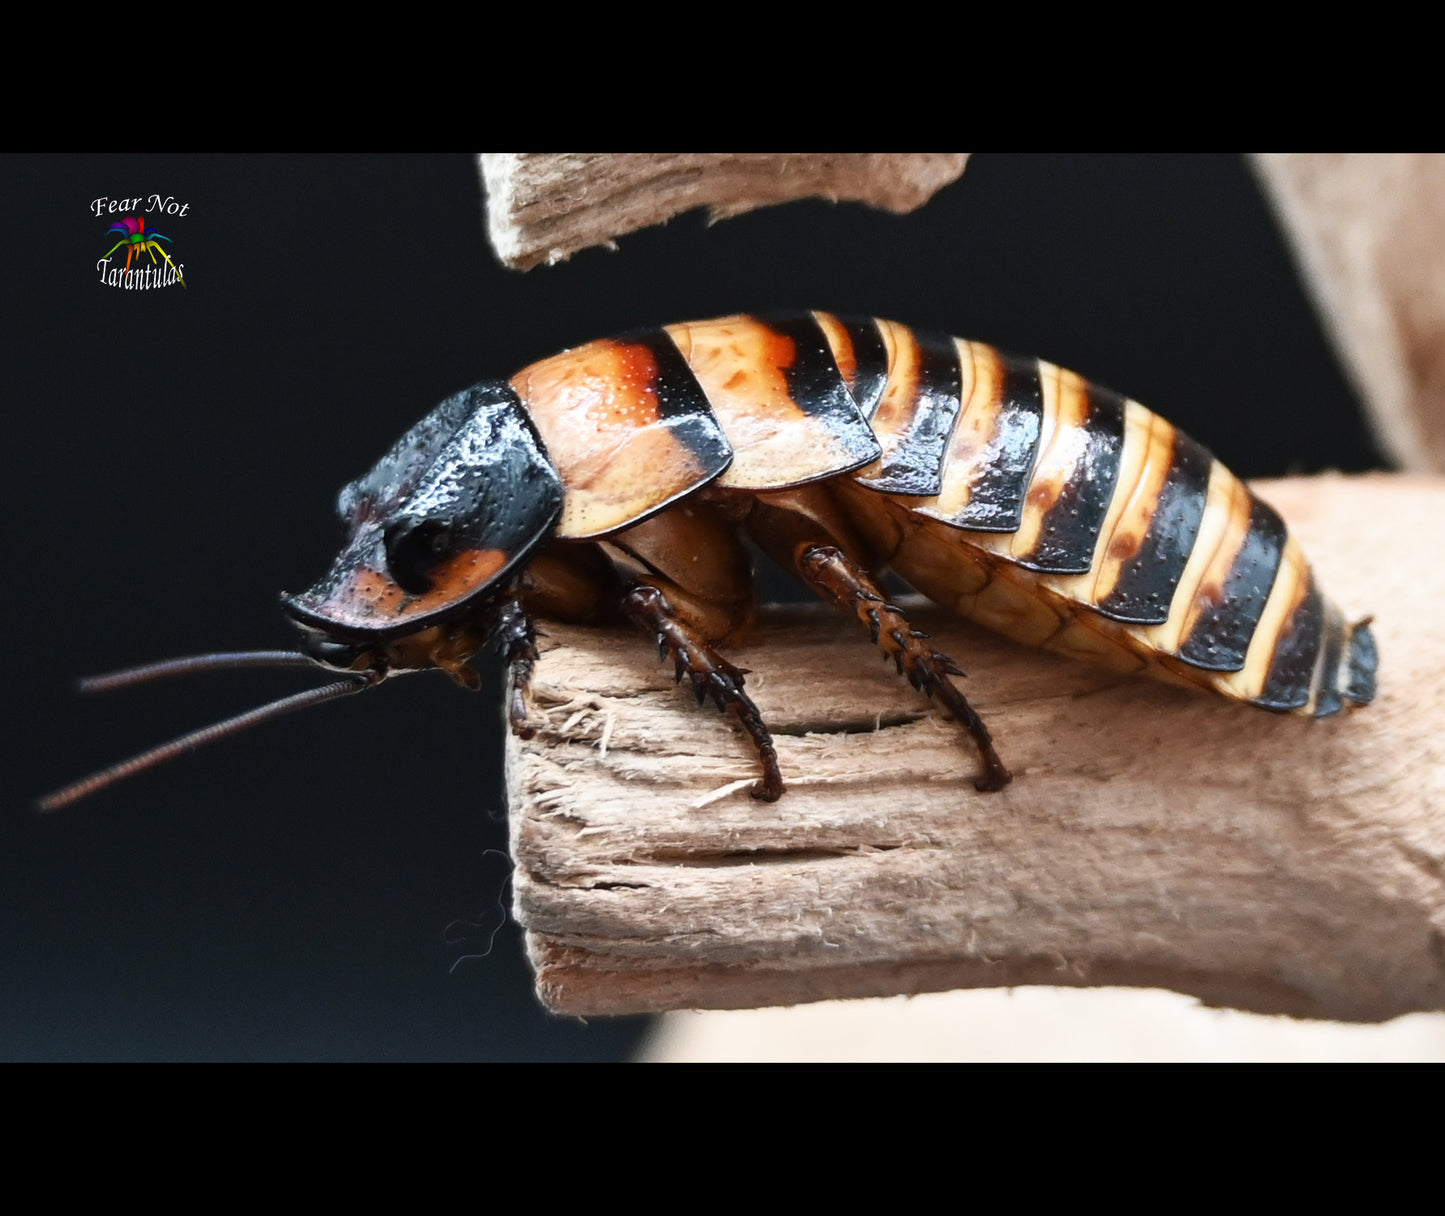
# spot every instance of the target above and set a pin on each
(223, 661)
(207, 734)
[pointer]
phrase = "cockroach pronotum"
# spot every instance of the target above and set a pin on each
(618, 478)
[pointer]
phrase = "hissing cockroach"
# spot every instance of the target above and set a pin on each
(619, 477)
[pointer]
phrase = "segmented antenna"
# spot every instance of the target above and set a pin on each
(208, 734)
(224, 661)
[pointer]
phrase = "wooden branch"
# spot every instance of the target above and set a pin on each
(545, 206)
(1369, 232)
(1152, 837)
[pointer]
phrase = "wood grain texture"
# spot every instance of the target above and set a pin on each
(1152, 837)
(545, 206)
(1369, 232)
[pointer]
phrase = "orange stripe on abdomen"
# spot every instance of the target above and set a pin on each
(778, 397)
(627, 434)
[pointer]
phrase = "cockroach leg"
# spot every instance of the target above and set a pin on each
(711, 674)
(844, 583)
(517, 641)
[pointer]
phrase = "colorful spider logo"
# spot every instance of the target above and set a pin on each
(135, 238)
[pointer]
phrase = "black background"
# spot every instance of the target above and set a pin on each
(172, 461)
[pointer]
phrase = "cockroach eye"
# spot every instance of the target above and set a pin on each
(414, 548)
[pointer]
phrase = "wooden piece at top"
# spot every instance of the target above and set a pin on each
(1152, 837)
(1369, 231)
(545, 206)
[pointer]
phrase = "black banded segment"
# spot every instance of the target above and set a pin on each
(817, 388)
(870, 358)
(1220, 638)
(1147, 580)
(1001, 474)
(1070, 530)
(1363, 658)
(1327, 689)
(681, 403)
(913, 465)
(1297, 649)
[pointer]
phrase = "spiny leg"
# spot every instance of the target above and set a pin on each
(517, 641)
(711, 675)
(846, 584)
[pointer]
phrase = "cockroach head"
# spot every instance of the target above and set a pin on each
(434, 533)
(436, 528)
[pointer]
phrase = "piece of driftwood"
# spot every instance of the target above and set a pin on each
(1369, 232)
(1152, 837)
(545, 206)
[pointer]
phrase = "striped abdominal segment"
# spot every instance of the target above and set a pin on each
(1009, 489)
(1107, 508)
